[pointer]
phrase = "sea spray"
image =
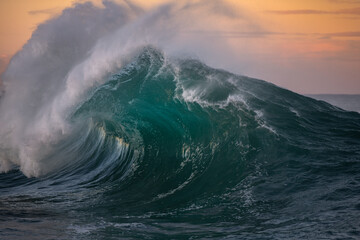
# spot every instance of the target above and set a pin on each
(70, 55)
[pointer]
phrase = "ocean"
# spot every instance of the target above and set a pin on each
(95, 145)
(349, 102)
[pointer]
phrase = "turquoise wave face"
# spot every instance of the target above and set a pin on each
(172, 147)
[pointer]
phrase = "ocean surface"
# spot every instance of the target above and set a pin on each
(349, 102)
(161, 147)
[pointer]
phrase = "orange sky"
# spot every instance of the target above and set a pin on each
(306, 46)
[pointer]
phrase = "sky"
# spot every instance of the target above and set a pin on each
(307, 46)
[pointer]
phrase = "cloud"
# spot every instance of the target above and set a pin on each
(264, 34)
(48, 11)
(303, 11)
(236, 34)
(349, 11)
(345, 1)
(344, 34)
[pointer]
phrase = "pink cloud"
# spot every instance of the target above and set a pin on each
(349, 11)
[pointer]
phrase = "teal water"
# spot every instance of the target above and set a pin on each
(173, 149)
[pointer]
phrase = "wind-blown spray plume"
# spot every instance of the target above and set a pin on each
(70, 55)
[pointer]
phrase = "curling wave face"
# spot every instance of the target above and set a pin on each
(157, 146)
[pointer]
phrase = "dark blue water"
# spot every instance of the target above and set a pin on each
(349, 102)
(174, 149)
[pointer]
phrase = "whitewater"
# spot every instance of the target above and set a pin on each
(121, 123)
